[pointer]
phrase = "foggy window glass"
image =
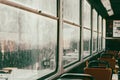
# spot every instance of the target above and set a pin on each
(47, 44)
(27, 43)
(103, 43)
(94, 42)
(71, 10)
(71, 38)
(46, 6)
(100, 24)
(94, 20)
(104, 32)
(86, 14)
(100, 30)
(86, 42)
(99, 41)
(9, 29)
(104, 28)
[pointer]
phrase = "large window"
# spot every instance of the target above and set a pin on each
(71, 10)
(28, 43)
(104, 32)
(99, 42)
(71, 38)
(94, 42)
(100, 33)
(39, 38)
(100, 24)
(71, 31)
(86, 42)
(94, 20)
(86, 17)
(86, 24)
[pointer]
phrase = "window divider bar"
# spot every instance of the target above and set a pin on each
(72, 23)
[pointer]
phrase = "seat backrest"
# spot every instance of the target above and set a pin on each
(97, 71)
(106, 55)
(111, 61)
(76, 76)
(98, 64)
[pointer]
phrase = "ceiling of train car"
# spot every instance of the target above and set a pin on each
(115, 4)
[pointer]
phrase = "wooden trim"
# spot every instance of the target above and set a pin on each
(72, 23)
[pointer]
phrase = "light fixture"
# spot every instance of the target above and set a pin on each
(110, 12)
(107, 5)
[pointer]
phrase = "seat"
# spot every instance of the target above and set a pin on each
(106, 55)
(109, 58)
(76, 76)
(114, 53)
(111, 61)
(99, 70)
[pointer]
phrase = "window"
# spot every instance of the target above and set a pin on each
(28, 42)
(46, 6)
(100, 23)
(71, 32)
(100, 43)
(71, 38)
(71, 10)
(94, 20)
(86, 17)
(94, 42)
(86, 24)
(104, 32)
(104, 43)
(100, 34)
(86, 42)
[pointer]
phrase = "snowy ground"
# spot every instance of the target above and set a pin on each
(21, 74)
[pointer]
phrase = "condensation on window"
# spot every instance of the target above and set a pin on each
(86, 14)
(71, 38)
(27, 43)
(94, 20)
(71, 10)
(46, 6)
(100, 24)
(86, 42)
(94, 42)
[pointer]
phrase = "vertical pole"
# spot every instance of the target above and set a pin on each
(60, 35)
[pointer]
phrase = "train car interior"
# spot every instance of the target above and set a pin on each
(59, 39)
